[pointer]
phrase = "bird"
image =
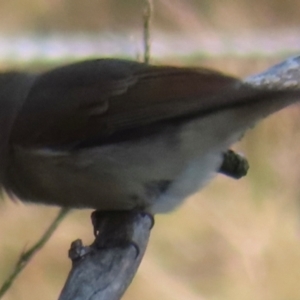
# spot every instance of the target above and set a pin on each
(115, 134)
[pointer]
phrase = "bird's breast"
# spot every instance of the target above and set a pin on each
(155, 173)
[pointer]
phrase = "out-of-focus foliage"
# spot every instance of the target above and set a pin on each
(93, 15)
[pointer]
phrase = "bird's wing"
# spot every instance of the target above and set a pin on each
(14, 87)
(99, 99)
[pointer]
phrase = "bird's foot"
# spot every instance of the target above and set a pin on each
(234, 165)
(115, 228)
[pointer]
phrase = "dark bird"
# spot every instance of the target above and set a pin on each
(113, 134)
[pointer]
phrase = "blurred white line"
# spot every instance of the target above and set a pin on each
(27, 48)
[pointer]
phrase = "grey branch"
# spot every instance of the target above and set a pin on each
(283, 76)
(105, 269)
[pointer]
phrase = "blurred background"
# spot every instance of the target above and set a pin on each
(233, 240)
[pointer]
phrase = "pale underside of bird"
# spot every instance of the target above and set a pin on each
(112, 134)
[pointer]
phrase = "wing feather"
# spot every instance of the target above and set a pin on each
(99, 98)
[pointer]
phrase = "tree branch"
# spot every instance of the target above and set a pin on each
(148, 11)
(284, 76)
(105, 269)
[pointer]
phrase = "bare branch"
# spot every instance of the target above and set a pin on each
(283, 76)
(148, 11)
(105, 269)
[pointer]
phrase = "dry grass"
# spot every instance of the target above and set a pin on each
(234, 240)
